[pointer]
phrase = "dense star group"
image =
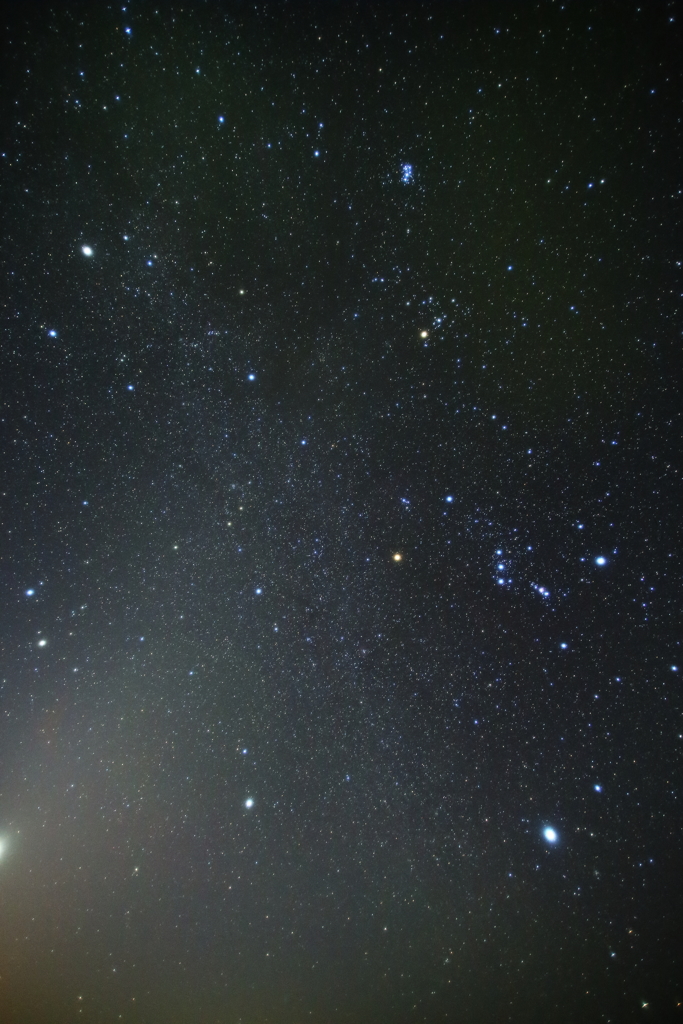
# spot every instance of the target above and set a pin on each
(340, 495)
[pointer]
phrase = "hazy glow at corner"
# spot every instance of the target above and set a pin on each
(3, 847)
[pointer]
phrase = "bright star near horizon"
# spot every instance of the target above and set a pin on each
(601, 560)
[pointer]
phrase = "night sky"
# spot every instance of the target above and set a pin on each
(340, 535)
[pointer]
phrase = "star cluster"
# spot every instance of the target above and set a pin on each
(341, 551)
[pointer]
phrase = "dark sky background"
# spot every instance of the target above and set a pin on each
(340, 550)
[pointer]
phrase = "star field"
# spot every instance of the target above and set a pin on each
(340, 535)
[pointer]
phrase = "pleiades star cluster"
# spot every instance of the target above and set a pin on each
(340, 532)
